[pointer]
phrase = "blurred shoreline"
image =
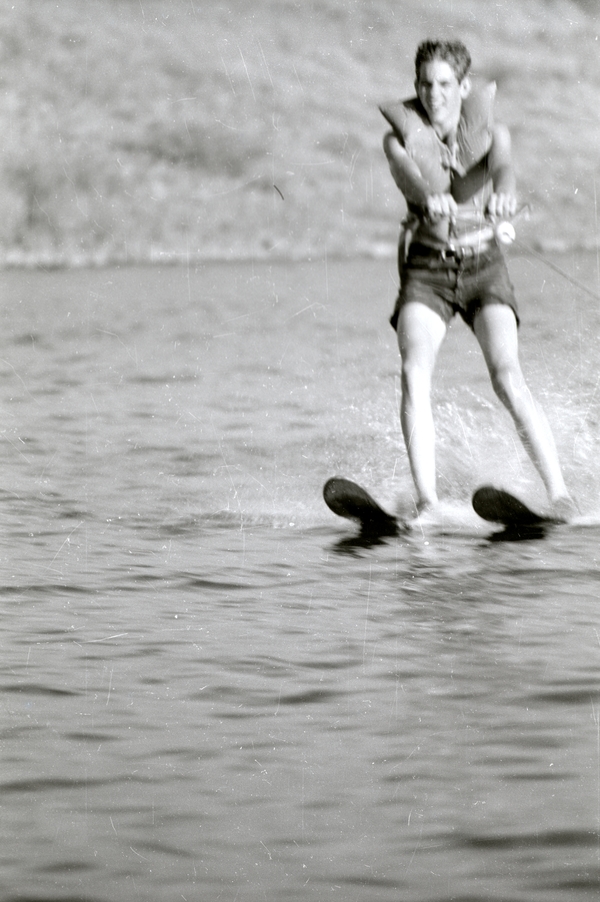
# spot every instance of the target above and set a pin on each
(174, 259)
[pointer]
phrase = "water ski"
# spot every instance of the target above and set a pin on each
(498, 506)
(347, 499)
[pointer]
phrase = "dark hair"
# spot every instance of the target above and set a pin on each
(452, 52)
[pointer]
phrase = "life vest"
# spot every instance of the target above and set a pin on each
(438, 164)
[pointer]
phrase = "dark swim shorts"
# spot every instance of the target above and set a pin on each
(450, 286)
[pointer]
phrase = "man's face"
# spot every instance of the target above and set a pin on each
(441, 94)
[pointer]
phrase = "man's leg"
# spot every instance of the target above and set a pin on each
(420, 334)
(496, 329)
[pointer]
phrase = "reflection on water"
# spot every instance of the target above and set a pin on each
(202, 700)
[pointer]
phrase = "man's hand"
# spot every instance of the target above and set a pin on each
(502, 206)
(441, 206)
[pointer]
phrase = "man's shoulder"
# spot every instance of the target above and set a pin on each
(476, 126)
(478, 105)
(403, 114)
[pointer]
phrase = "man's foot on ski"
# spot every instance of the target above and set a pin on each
(499, 506)
(564, 509)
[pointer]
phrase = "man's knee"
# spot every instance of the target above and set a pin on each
(507, 381)
(415, 378)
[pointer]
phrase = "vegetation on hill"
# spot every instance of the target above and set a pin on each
(189, 129)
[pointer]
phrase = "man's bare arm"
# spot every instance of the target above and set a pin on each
(503, 202)
(411, 183)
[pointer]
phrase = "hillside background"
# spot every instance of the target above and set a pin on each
(145, 130)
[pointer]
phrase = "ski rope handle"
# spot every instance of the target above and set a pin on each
(485, 228)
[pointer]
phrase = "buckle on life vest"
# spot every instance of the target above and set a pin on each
(469, 251)
(450, 253)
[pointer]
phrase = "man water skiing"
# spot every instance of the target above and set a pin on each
(446, 154)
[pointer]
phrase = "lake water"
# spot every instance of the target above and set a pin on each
(209, 691)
